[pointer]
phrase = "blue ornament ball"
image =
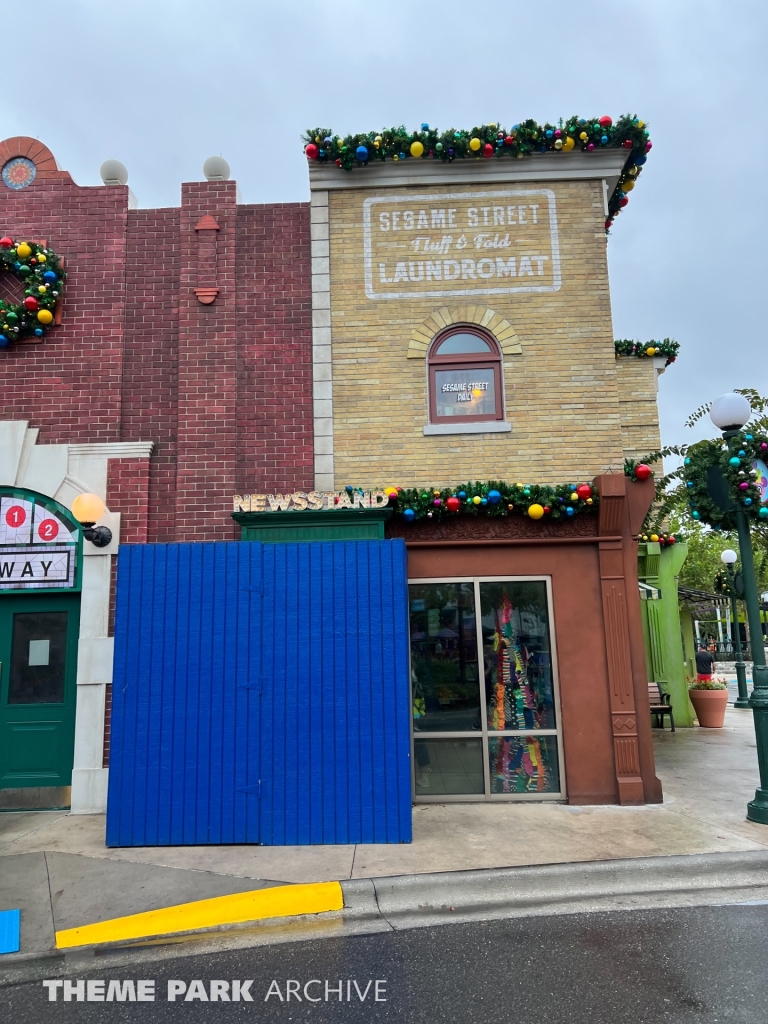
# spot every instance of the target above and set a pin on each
(747, 501)
(402, 156)
(348, 488)
(49, 277)
(362, 153)
(569, 511)
(687, 462)
(734, 461)
(742, 454)
(748, 437)
(409, 515)
(463, 495)
(483, 501)
(39, 332)
(689, 484)
(494, 497)
(549, 133)
(4, 342)
(763, 513)
(696, 514)
(424, 126)
(640, 160)
(604, 140)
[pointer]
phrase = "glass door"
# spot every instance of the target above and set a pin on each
(38, 665)
(486, 722)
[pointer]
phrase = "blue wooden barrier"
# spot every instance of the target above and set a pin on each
(260, 695)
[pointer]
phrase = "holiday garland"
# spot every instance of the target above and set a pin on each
(492, 498)
(647, 349)
(40, 271)
(742, 463)
(492, 140)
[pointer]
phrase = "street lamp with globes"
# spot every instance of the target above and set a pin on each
(729, 413)
(728, 558)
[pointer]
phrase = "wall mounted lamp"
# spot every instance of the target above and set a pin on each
(87, 508)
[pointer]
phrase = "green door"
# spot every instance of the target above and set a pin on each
(38, 665)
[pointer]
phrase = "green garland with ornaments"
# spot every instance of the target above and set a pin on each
(489, 141)
(743, 463)
(647, 349)
(492, 498)
(39, 268)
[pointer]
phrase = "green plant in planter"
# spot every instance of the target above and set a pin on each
(709, 684)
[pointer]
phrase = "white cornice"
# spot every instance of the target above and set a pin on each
(604, 164)
(114, 450)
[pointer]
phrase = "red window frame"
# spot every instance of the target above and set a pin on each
(462, 361)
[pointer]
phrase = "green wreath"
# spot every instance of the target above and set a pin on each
(743, 465)
(40, 271)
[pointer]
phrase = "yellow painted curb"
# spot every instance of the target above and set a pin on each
(279, 901)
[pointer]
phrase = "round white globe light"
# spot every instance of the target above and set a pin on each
(113, 173)
(216, 168)
(728, 556)
(730, 412)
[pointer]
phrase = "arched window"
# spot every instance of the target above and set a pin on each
(465, 383)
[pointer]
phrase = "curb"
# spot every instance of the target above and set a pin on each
(359, 906)
(281, 901)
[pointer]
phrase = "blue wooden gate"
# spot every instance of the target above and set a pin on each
(260, 695)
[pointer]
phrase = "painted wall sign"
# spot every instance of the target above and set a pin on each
(311, 501)
(38, 543)
(464, 243)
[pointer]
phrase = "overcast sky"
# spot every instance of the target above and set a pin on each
(163, 84)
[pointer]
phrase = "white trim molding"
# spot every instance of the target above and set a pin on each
(62, 471)
(322, 354)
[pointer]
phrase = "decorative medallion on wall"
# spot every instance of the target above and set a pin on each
(40, 271)
(19, 172)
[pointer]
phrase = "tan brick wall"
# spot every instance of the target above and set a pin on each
(562, 391)
(637, 381)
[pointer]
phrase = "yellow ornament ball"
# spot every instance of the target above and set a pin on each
(574, 496)
(641, 124)
(377, 139)
(376, 145)
(583, 136)
(42, 289)
(590, 501)
(650, 351)
(23, 250)
(390, 490)
(535, 511)
(417, 148)
(568, 144)
(654, 537)
(628, 185)
(45, 316)
(474, 145)
(395, 157)
(42, 258)
(476, 500)
(559, 144)
(510, 507)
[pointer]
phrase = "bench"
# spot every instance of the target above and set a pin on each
(660, 705)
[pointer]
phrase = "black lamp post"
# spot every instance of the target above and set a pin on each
(729, 413)
(728, 558)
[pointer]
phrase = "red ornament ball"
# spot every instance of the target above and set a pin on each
(453, 504)
(311, 151)
(508, 141)
(6, 243)
(488, 150)
(30, 303)
(627, 143)
(623, 202)
(584, 491)
(338, 162)
(671, 539)
(605, 121)
(643, 472)
(546, 509)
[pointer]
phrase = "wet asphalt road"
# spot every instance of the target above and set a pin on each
(691, 965)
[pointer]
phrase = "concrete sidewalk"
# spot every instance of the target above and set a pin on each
(56, 867)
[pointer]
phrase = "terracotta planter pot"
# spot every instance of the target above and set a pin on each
(709, 706)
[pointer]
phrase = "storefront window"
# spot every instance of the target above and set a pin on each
(499, 631)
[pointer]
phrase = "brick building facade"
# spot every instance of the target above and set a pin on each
(221, 348)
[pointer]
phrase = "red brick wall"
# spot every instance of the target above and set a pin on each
(274, 374)
(69, 385)
(223, 390)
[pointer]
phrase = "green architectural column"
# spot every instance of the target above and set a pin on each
(665, 658)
